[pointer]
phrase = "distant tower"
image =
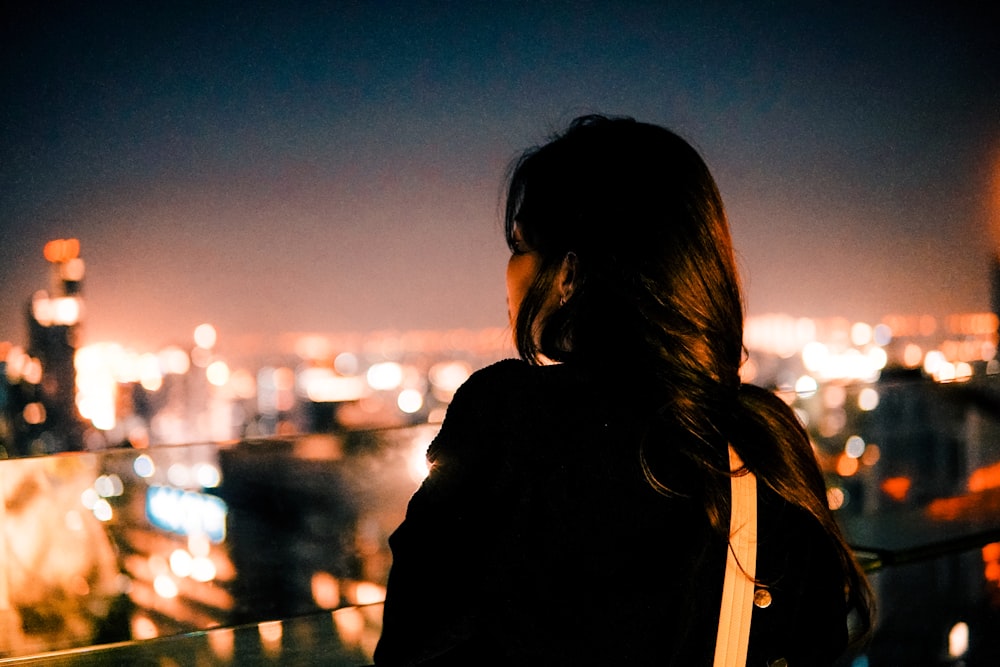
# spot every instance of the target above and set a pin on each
(53, 324)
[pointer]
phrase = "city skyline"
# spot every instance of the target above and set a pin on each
(298, 169)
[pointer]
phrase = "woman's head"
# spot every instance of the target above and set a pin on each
(621, 247)
(622, 260)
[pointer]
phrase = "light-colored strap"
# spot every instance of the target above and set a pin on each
(741, 567)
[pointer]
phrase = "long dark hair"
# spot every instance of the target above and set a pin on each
(656, 293)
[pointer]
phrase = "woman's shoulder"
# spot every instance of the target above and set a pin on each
(506, 370)
(514, 377)
(509, 401)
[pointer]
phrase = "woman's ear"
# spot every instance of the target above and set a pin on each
(567, 277)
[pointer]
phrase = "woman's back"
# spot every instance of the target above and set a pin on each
(579, 513)
(538, 540)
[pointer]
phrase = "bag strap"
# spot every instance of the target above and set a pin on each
(733, 640)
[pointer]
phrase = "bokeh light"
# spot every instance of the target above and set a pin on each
(410, 401)
(205, 336)
(386, 375)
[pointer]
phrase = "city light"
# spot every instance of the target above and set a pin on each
(207, 475)
(186, 512)
(89, 498)
(61, 250)
(366, 592)
(322, 385)
(109, 486)
(143, 627)
(165, 586)
(854, 447)
(174, 361)
(102, 509)
(72, 270)
(150, 375)
(60, 311)
(410, 401)
(325, 590)
(958, 640)
(243, 384)
(223, 644)
(447, 376)
(180, 562)
(868, 399)
(861, 334)
(912, 355)
(385, 376)
(96, 384)
(847, 465)
(205, 336)
(848, 364)
(350, 624)
(872, 455)
(933, 361)
(217, 373)
(270, 637)
(202, 569)
(806, 386)
(897, 488)
(346, 363)
(144, 466)
(815, 356)
(835, 497)
(34, 413)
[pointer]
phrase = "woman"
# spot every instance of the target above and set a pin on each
(577, 509)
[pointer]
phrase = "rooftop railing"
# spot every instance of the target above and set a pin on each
(275, 551)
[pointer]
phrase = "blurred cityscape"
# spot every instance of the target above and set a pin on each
(175, 520)
(59, 395)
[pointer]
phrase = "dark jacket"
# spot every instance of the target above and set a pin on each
(536, 540)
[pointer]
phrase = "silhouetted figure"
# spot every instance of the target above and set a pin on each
(577, 509)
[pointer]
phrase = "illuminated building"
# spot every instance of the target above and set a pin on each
(41, 411)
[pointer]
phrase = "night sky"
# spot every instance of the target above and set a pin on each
(339, 169)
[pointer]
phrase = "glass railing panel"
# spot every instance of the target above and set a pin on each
(171, 546)
(342, 638)
(908, 461)
(137, 544)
